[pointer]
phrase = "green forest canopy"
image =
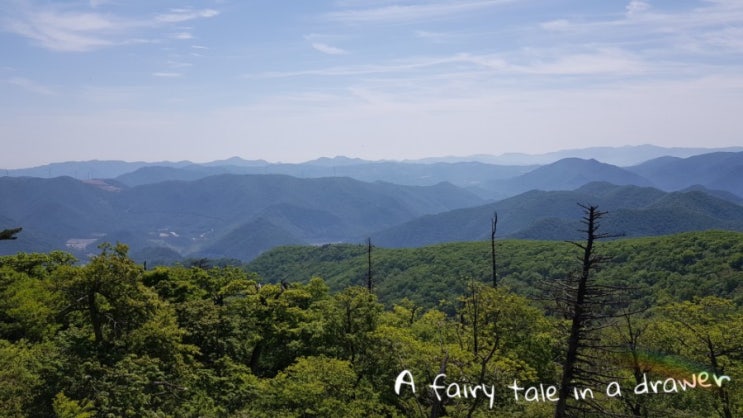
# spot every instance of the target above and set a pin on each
(111, 339)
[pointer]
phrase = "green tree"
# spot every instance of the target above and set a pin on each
(710, 331)
(318, 387)
(122, 347)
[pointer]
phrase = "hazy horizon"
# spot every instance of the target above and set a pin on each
(610, 155)
(397, 79)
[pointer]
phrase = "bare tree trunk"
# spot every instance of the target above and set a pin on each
(580, 314)
(9, 233)
(369, 283)
(493, 227)
(437, 409)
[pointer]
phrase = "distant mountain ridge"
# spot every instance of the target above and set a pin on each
(718, 170)
(238, 208)
(205, 216)
(622, 156)
(714, 170)
(568, 174)
(635, 211)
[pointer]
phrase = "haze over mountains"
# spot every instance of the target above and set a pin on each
(238, 209)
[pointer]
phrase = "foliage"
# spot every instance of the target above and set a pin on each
(676, 267)
(110, 339)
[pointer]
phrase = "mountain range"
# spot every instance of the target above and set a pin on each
(622, 156)
(205, 216)
(555, 215)
(715, 171)
(237, 209)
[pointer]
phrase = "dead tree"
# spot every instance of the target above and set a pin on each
(369, 283)
(7, 234)
(493, 228)
(586, 304)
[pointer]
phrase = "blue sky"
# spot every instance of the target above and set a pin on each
(385, 79)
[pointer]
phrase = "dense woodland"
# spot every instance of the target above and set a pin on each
(298, 333)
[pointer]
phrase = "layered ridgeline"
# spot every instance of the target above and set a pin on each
(219, 216)
(167, 212)
(669, 169)
(681, 266)
(554, 215)
(241, 216)
(715, 171)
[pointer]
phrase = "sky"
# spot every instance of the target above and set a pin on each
(290, 81)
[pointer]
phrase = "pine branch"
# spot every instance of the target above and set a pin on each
(8, 234)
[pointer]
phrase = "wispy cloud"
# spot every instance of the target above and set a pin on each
(599, 62)
(636, 7)
(398, 66)
(96, 3)
(328, 49)
(179, 64)
(31, 86)
(184, 15)
(167, 74)
(679, 42)
(557, 25)
(182, 36)
(436, 37)
(641, 19)
(65, 29)
(411, 12)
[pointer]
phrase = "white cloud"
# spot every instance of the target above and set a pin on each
(636, 7)
(182, 36)
(179, 64)
(681, 39)
(62, 28)
(31, 86)
(167, 74)
(328, 49)
(597, 62)
(95, 3)
(411, 12)
(556, 25)
(397, 66)
(64, 31)
(728, 39)
(435, 37)
(184, 15)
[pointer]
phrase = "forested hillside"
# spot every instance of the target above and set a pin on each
(110, 338)
(679, 266)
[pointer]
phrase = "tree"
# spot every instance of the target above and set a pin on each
(317, 386)
(584, 301)
(110, 292)
(121, 337)
(6, 234)
(502, 335)
(710, 331)
(369, 283)
(493, 228)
